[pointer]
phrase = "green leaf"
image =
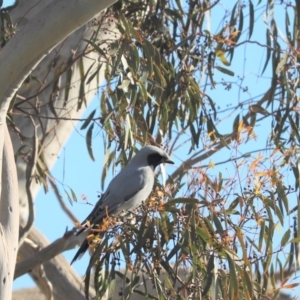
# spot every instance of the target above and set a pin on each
(134, 58)
(143, 91)
(221, 55)
(241, 24)
(251, 18)
(210, 274)
(288, 33)
(285, 237)
(268, 51)
(124, 85)
(69, 74)
(94, 74)
(282, 196)
(88, 139)
(213, 106)
(203, 234)
(128, 132)
(95, 256)
(96, 47)
(234, 286)
(282, 63)
(88, 120)
(173, 14)
(225, 71)
(124, 22)
(69, 198)
(159, 77)
(74, 197)
(211, 63)
(182, 201)
(258, 109)
(235, 125)
(261, 235)
(195, 136)
(234, 204)
(148, 49)
(247, 283)
(219, 228)
(295, 240)
(119, 49)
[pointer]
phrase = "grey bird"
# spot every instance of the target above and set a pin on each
(126, 191)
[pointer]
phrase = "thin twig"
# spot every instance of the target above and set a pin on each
(57, 118)
(61, 201)
(235, 158)
(30, 170)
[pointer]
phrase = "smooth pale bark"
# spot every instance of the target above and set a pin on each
(55, 86)
(9, 218)
(35, 37)
(34, 40)
(57, 272)
(28, 262)
(38, 36)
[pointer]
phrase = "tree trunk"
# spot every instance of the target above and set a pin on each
(41, 25)
(9, 218)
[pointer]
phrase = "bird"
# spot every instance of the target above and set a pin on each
(131, 186)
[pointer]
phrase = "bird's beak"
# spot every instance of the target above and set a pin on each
(168, 160)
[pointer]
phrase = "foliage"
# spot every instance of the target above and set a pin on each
(6, 25)
(169, 75)
(161, 83)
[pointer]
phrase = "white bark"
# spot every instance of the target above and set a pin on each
(49, 251)
(52, 134)
(38, 31)
(9, 218)
(61, 278)
(35, 38)
(39, 35)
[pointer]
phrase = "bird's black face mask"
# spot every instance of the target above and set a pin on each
(156, 159)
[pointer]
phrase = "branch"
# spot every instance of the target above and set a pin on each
(61, 200)
(66, 283)
(58, 118)
(189, 163)
(30, 174)
(28, 294)
(68, 241)
(231, 159)
(31, 44)
(35, 38)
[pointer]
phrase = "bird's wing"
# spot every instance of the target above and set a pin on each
(126, 191)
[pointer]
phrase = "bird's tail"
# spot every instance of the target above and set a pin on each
(82, 249)
(88, 241)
